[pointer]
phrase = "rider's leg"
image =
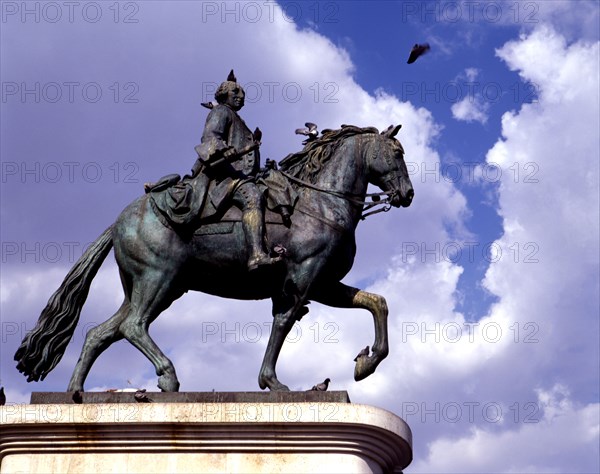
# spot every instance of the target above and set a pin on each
(251, 202)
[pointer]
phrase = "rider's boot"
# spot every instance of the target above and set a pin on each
(252, 222)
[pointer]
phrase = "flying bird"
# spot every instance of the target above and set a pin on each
(310, 132)
(141, 397)
(321, 387)
(2, 397)
(417, 50)
(363, 353)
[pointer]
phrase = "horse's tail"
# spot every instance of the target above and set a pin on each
(43, 347)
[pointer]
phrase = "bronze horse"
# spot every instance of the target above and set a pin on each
(158, 265)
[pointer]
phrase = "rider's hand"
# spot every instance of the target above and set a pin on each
(230, 152)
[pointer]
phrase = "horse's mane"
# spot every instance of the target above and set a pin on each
(307, 163)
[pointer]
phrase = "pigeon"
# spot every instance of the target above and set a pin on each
(363, 353)
(417, 50)
(231, 76)
(257, 135)
(141, 397)
(208, 105)
(321, 387)
(310, 132)
(77, 397)
(2, 397)
(270, 164)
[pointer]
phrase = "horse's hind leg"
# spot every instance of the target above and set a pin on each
(152, 297)
(138, 335)
(339, 295)
(97, 340)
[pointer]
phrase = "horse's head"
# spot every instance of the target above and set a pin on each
(387, 170)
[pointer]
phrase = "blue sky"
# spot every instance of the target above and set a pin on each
(495, 348)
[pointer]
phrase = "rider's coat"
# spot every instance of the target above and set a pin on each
(225, 128)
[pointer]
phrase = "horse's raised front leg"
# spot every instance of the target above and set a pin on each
(339, 295)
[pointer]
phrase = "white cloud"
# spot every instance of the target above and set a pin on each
(471, 73)
(471, 109)
(565, 429)
(570, 21)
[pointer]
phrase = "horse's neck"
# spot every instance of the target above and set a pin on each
(344, 172)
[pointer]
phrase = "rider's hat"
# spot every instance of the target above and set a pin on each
(224, 88)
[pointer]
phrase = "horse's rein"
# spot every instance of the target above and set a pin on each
(377, 201)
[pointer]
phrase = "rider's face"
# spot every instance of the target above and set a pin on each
(235, 97)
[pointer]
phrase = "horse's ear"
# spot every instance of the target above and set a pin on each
(391, 131)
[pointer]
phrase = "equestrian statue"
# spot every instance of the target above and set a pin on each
(231, 229)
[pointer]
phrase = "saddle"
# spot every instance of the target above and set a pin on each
(182, 204)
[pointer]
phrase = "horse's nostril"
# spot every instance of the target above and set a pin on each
(410, 194)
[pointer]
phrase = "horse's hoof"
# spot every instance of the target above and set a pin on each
(77, 397)
(168, 384)
(273, 385)
(364, 367)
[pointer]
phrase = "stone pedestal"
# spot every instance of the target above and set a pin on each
(315, 435)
